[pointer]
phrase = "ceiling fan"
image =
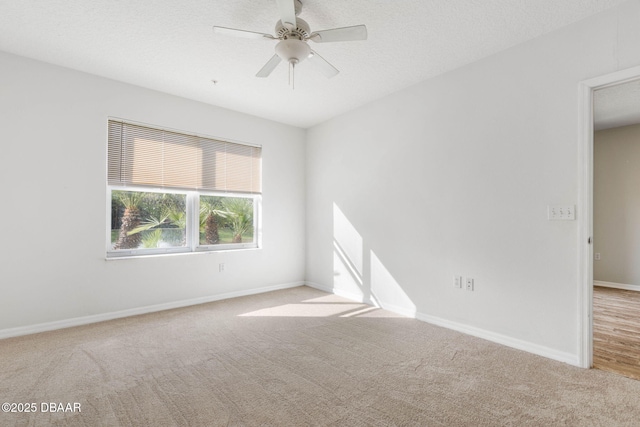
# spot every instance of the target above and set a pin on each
(293, 34)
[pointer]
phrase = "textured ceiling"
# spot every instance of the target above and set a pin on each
(170, 46)
(617, 106)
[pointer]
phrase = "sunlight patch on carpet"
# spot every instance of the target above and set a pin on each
(306, 310)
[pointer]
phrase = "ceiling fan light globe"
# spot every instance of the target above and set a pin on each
(293, 50)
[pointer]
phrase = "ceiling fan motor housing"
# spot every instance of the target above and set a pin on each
(301, 32)
(293, 35)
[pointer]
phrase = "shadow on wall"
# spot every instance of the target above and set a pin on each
(351, 263)
(358, 274)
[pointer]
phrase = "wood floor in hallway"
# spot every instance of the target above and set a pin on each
(616, 331)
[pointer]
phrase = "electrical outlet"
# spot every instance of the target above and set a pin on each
(469, 284)
(597, 256)
(457, 282)
(221, 267)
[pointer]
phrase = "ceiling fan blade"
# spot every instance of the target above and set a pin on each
(241, 33)
(323, 65)
(287, 13)
(269, 66)
(344, 34)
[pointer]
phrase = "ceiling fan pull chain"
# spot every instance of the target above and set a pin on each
(292, 75)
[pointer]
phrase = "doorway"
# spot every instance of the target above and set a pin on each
(613, 84)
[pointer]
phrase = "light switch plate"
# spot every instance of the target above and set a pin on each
(457, 282)
(561, 212)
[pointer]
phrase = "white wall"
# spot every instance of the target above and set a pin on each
(616, 205)
(53, 123)
(453, 176)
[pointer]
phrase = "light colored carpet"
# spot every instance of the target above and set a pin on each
(297, 357)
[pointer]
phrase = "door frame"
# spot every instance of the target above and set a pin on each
(585, 206)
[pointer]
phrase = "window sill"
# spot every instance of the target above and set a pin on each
(171, 254)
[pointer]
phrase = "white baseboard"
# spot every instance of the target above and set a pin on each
(340, 293)
(616, 285)
(323, 288)
(470, 330)
(508, 341)
(85, 320)
(403, 311)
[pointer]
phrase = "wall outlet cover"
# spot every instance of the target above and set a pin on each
(469, 284)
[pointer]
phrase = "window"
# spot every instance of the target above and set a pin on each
(174, 192)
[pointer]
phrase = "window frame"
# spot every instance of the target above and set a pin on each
(192, 227)
(257, 206)
(192, 191)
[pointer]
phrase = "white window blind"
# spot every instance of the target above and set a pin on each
(149, 157)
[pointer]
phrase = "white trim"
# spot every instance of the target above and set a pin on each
(192, 204)
(613, 79)
(585, 199)
(341, 293)
(585, 228)
(540, 350)
(408, 312)
(508, 341)
(327, 289)
(616, 285)
(170, 254)
(85, 320)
